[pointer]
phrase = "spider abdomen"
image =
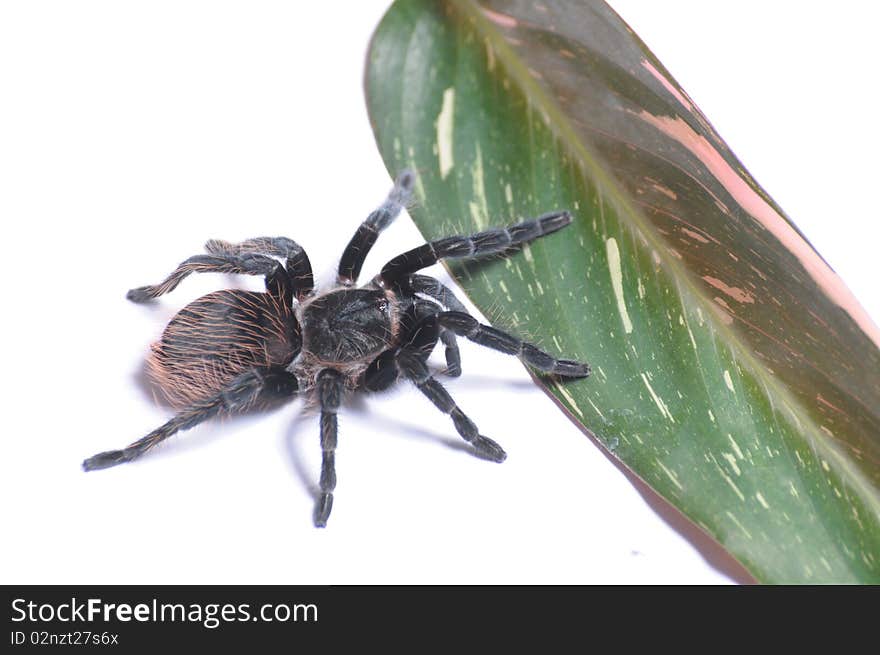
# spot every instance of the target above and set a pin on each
(216, 338)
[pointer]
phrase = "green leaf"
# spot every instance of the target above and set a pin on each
(733, 370)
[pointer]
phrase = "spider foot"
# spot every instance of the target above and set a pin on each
(572, 369)
(140, 294)
(107, 459)
(488, 449)
(452, 370)
(322, 510)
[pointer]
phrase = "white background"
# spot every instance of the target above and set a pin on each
(131, 132)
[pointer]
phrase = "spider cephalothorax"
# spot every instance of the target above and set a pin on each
(234, 350)
(349, 327)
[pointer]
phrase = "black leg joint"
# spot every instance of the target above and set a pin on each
(328, 472)
(322, 510)
(496, 339)
(537, 358)
(453, 356)
(329, 429)
(438, 395)
(451, 247)
(525, 231)
(434, 289)
(466, 427)
(413, 367)
(362, 242)
(459, 322)
(553, 221)
(491, 241)
(355, 253)
(382, 372)
(330, 385)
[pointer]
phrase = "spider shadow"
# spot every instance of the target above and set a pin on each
(360, 405)
(477, 382)
(209, 430)
(296, 426)
(212, 430)
(306, 422)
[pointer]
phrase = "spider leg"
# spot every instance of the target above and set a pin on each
(453, 355)
(277, 279)
(410, 360)
(467, 326)
(423, 309)
(412, 366)
(442, 294)
(299, 268)
(365, 237)
(264, 384)
(483, 243)
(435, 289)
(330, 387)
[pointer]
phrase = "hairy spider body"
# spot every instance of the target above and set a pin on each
(232, 350)
(218, 337)
(346, 329)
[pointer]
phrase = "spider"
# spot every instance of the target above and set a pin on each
(236, 350)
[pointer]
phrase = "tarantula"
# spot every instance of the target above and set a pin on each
(234, 350)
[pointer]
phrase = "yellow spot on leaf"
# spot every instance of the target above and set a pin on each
(444, 132)
(617, 282)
